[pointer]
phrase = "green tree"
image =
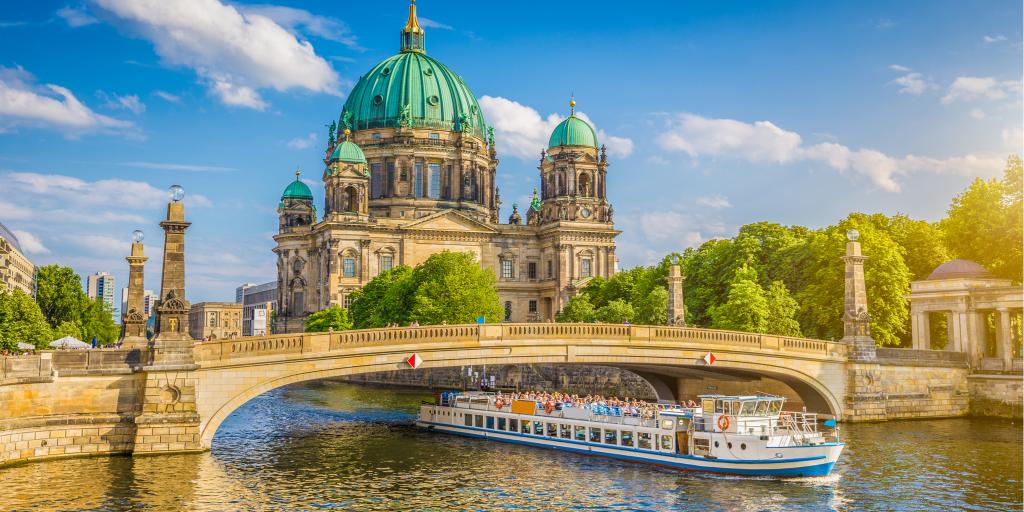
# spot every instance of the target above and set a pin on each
(782, 308)
(652, 309)
(984, 223)
(59, 294)
(578, 309)
(615, 312)
(21, 321)
(746, 308)
(97, 319)
(384, 300)
(334, 317)
(72, 328)
(451, 287)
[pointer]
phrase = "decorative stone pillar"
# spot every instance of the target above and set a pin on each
(676, 308)
(169, 421)
(919, 330)
(133, 320)
(1004, 341)
(856, 320)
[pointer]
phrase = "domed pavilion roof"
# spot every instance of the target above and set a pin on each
(956, 269)
(412, 89)
(349, 153)
(297, 190)
(573, 132)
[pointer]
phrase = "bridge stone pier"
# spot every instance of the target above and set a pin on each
(65, 403)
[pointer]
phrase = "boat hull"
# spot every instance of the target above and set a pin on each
(811, 460)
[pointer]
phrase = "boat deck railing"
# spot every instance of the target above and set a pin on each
(605, 414)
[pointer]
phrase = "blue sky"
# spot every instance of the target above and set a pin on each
(716, 114)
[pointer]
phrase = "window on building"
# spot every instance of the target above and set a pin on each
(417, 183)
(585, 268)
(347, 301)
(348, 267)
(533, 306)
(531, 270)
(435, 136)
(391, 178)
(551, 269)
(376, 179)
(376, 136)
(506, 268)
(434, 181)
(387, 261)
(508, 311)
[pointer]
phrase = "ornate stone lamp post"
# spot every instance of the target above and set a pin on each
(172, 344)
(856, 320)
(133, 321)
(676, 308)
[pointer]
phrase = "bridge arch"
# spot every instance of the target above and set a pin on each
(232, 372)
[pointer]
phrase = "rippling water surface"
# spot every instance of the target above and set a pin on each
(338, 446)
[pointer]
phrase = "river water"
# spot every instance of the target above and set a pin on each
(339, 446)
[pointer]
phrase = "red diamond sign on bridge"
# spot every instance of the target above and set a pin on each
(709, 358)
(414, 360)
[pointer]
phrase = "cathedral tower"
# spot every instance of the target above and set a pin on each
(347, 182)
(572, 173)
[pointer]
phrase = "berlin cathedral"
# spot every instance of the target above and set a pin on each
(410, 171)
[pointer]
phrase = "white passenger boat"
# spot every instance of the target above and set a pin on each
(743, 435)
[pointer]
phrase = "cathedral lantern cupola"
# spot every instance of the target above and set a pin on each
(412, 33)
(296, 210)
(347, 181)
(573, 172)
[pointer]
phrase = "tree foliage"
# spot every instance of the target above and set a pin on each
(615, 312)
(638, 295)
(334, 317)
(21, 321)
(65, 306)
(449, 287)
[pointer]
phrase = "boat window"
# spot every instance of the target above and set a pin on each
(775, 407)
(565, 431)
(490, 422)
(735, 409)
(644, 440)
(748, 409)
(668, 424)
(501, 424)
(611, 437)
(666, 442)
(595, 435)
(526, 426)
(469, 420)
(762, 408)
(479, 420)
(719, 406)
(627, 438)
(709, 406)
(581, 433)
(513, 425)
(552, 430)
(538, 428)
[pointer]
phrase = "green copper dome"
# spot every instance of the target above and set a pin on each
(413, 90)
(573, 132)
(297, 190)
(349, 153)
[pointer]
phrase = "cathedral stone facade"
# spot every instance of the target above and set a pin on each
(410, 171)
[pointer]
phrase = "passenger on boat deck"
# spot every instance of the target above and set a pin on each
(596, 403)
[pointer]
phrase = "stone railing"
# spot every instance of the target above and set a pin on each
(491, 333)
(50, 363)
(923, 357)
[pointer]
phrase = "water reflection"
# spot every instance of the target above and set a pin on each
(329, 445)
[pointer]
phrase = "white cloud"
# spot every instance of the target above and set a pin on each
(716, 202)
(76, 17)
(130, 102)
(1013, 139)
(977, 113)
(234, 53)
(970, 88)
(522, 132)
(898, 67)
(166, 96)
(911, 83)
(162, 166)
(762, 141)
(24, 103)
(55, 191)
(303, 142)
(429, 23)
(296, 20)
(998, 38)
(30, 243)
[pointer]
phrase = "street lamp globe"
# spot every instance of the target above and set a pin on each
(177, 193)
(852, 235)
(138, 236)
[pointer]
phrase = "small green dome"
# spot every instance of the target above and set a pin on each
(573, 132)
(349, 153)
(297, 190)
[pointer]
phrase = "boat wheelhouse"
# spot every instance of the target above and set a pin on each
(745, 435)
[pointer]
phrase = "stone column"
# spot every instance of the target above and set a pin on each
(676, 308)
(919, 330)
(1004, 341)
(133, 320)
(952, 330)
(172, 344)
(856, 329)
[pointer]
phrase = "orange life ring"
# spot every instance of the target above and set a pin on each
(549, 406)
(499, 403)
(723, 422)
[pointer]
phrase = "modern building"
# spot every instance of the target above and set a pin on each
(148, 300)
(258, 307)
(16, 271)
(102, 285)
(411, 172)
(215, 320)
(240, 291)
